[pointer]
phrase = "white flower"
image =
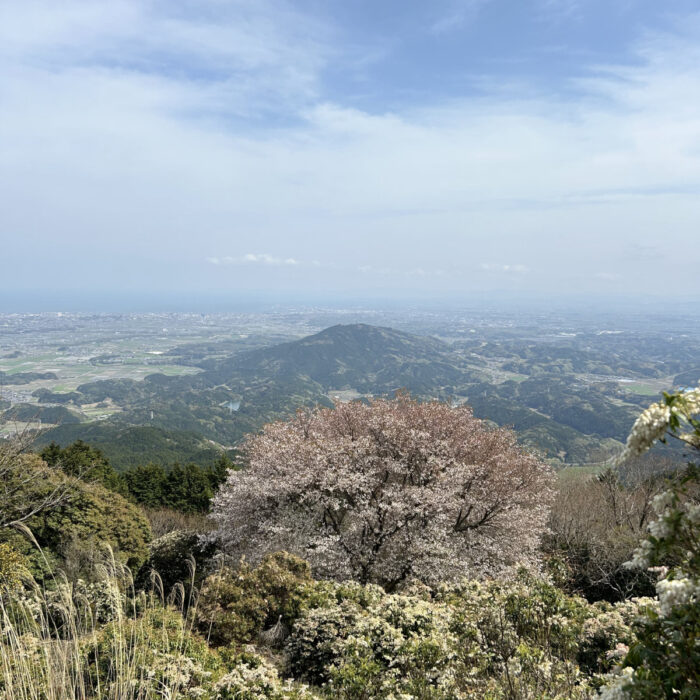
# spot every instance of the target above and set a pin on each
(653, 423)
(615, 691)
(640, 556)
(618, 652)
(647, 429)
(690, 402)
(676, 592)
(662, 500)
(659, 528)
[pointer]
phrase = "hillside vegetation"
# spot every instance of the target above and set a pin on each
(535, 388)
(423, 562)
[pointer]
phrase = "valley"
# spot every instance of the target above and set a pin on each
(571, 385)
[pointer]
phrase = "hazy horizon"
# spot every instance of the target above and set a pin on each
(265, 302)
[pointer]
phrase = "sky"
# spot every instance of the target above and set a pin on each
(349, 148)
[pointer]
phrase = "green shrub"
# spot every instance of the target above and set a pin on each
(253, 678)
(12, 566)
(159, 652)
(180, 556)
(92, 516)
(236, 605)
(75, 532)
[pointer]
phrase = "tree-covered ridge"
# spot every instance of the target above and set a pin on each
(564, 399)
(19, 378)
(187, 488)
(31, 413)
(131, 446)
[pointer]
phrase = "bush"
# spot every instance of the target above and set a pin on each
(518, 639)
(159, 649)
(253, 678)
(236, 605)
(664, 662)
(12, 567)
(75, 533)
(178, 557)
(94, 517)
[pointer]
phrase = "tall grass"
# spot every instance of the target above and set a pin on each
(109, 642)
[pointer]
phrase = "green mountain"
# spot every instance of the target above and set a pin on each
(239, 393)
(131, 446)
(360, 357)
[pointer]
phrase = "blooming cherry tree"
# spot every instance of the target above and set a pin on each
(387, 491)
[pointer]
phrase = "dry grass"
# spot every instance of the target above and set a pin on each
(53, 644)
(165, 520)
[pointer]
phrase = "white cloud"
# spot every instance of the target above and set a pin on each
(517, 269)
(254, 259)
(224, 58)
(126, 126)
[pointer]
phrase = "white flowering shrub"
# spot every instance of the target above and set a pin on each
(161, 650)
(517, 639)
(664, 662)
(254, 678)
(676, 415)
(605, 637)
(498, 639)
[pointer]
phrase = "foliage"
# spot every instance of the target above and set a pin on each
(236, 605)
(385, 491)
(177, 557)
(103, 647)
(128, 446)
(30, 487)
(595, 524)
(665, 660)
(161, 652)
(522, 639)
(31, 413)
(187, 488)
(12, 567)
(75, 531)
(508, 640)
(81, 460)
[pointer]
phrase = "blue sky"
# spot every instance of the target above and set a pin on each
(388, 148)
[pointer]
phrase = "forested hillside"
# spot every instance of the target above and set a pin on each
(568, 403)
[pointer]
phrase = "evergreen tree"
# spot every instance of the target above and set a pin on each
(88, 463)
(188, 489)
(218, 471)
(147, 484)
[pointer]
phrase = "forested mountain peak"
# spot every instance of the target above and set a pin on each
(350, 356)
